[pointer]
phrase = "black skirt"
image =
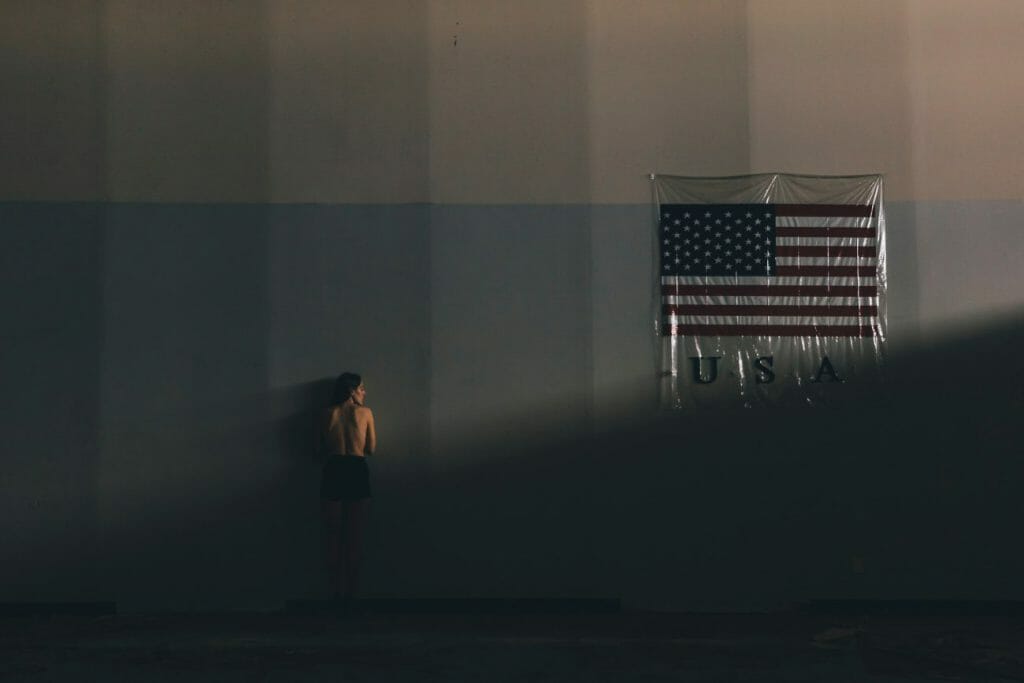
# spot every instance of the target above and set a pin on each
(345, 477)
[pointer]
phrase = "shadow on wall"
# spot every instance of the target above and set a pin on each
(908, 492)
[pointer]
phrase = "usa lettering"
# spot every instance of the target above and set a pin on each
(704, 370)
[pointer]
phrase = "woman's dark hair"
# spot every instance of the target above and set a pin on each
(346, 383)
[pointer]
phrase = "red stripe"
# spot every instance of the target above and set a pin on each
(825, 271)
(770, 290)
(832, 210)
(786, 231)
(718, 309)
(771, 330)
(801, 250)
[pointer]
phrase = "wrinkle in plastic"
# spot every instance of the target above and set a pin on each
(770, 288)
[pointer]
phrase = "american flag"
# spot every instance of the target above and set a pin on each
(788, 270)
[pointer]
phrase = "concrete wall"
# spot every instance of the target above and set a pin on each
(210, 210)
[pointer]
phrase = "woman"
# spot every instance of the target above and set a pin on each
(347, 436)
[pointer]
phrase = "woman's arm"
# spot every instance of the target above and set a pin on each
(371, 434)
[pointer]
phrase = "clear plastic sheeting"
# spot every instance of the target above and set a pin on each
(770, 288)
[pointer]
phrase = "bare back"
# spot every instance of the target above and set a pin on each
(349, 430)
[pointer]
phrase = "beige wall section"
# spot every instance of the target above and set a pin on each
(967, 98)
(926, 92)
(348, 101)
(668, 93)
(52, 142)
(187, 105)
(508, 101)
(488, 101)
(829, 89)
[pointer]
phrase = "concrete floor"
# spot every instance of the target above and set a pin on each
(481, 647)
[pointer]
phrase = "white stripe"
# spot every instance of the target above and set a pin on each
(727, 300)
(823, 261)
(761, 280)
(768, 320)
(825, 241)
(825, 222)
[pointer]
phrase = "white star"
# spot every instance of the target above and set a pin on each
(718, 246)
(749, 215)
(666, 228)
(668, 215)
(749, 267)
(718, 260)
(686, 253)
(686, 228)
(757, 222)
(677, 221)
(677, 247)
(707, 267)
(718, 221)
(728, 228)
(750, 241)
(666, 254)
(749, 228)
(707, 215)
(768, 215)
(686, 215)
(707, 253)
(678, 235)
(738, 259)
(678, 261)
(707, 227)
(728, 214)
(667, 266)
(748, 253)
(687, 266)
(686, 241)
(707, 240)
(767, 241)
(757, 247)
(728, 239)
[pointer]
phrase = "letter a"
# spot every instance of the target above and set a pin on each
(767, 375)
(698, 376)
(827, 369)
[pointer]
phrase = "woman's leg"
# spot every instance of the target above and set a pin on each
(333, 514)
(353, 518)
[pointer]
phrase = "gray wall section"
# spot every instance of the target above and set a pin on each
(510, 295)
(163, 365)
(188, 496)
(51, 289)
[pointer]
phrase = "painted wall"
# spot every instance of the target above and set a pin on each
(210, 210)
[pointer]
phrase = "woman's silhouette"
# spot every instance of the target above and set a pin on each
(347, 436)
